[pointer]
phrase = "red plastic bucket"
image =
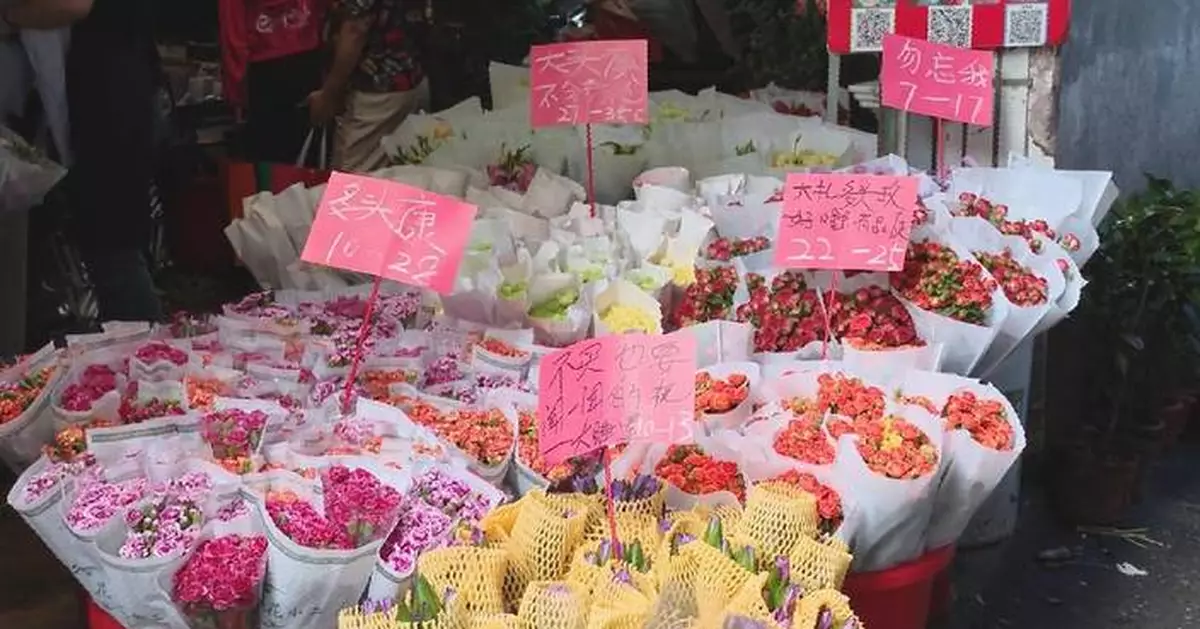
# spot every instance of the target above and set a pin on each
(899, 597)
(97, 618)
(940, 597)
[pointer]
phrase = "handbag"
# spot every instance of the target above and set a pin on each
(245, 179)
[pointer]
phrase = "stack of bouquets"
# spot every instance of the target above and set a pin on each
(548, 560)
(905, 453)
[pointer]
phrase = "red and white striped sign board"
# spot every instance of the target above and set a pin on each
(860, 25)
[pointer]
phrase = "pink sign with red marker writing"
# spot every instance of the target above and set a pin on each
(938, 80)
(632, 388)
(389, 230)
(589, 82)
(846, 222)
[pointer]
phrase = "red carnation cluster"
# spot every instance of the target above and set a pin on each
(986, 420)
(726, 249)
(689, 469)
(709, 298)
(935, 279)
(786, 314)
(873, 318)
(1021, 285)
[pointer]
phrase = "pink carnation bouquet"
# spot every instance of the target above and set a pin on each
(358, 509)
(233, 433)
(220, 584)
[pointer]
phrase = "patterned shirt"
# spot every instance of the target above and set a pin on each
(390, 58)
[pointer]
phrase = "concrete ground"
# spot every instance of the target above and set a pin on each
(1045, 577)
(1051, 577)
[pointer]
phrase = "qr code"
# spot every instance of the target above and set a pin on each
(950, 25)
(868, 27)
(1025, 24)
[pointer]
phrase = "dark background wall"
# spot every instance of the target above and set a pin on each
(1130, 90)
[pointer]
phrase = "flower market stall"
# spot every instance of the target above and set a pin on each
(337, 452)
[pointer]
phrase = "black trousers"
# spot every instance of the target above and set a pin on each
(111, 87)
(277, 118)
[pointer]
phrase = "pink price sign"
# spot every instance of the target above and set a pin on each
(633, 388)
(846, 222)
(938, 80)
(389, 230)
(589, 82)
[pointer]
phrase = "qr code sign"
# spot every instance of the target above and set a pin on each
(950, 25)
(1025, 24)
(868, 27)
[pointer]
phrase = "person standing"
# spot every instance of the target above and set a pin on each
(374, 82)
(271, 60)
(112, 75)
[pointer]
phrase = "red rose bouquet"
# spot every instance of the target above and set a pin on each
(935, 279)
(726, 249)
(220, 584)
(785, 313)
(986, 420)
(970, 204)
(709, 298)
(1020, 284)
(692, 471)
(872, 318)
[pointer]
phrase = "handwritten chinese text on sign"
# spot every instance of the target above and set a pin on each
(632, 388)
(844, 221)
(600, 82)
(938, 80)
(390, 230)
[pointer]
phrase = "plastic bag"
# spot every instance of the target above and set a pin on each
(25, 175)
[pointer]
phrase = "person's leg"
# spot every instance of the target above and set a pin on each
(369, 117)
(112, 128)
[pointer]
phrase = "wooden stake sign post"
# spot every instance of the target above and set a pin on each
(943, 82)
(586, 83)
(389, 230)
(590, 82)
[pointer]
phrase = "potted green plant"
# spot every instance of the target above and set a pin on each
(1138, 345)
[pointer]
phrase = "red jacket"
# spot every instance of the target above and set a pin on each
(257, 30)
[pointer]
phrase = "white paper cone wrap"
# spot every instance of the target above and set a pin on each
(972, 472)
